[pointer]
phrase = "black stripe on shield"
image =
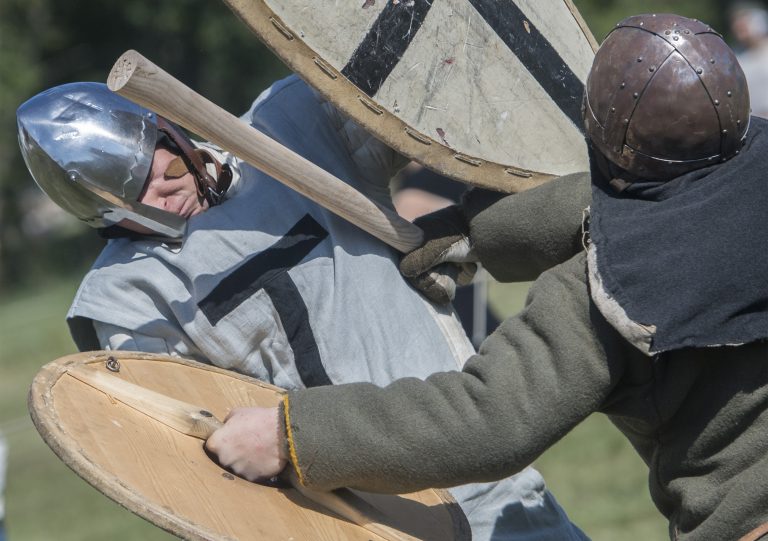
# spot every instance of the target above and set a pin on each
(536, 53)
(386, 42)
(397, 24)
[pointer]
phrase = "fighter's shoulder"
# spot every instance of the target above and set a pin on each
(122, 260)
(112, 251)
(289, 89)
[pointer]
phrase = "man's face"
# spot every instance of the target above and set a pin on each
(175, 194)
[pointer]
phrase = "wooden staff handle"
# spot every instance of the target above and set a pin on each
(183, 417)
(141, 81)
(200, 423)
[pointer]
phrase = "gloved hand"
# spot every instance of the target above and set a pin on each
(445, 260)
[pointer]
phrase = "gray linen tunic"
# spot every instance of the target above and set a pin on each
(271, 285)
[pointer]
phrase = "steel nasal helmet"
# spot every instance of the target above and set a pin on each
(665, 96)
(90, 150)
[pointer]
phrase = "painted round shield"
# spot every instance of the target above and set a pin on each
(166, 477)
(483, 91)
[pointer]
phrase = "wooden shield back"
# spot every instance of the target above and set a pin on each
(483, 91)
(166, 477)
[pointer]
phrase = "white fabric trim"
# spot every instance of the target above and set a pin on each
(637, 334)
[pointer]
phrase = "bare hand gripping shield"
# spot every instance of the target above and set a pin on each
(165, 476)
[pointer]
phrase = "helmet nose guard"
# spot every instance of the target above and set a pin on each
(90, 150)
(665, 96)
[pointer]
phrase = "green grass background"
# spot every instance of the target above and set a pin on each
(593, 471)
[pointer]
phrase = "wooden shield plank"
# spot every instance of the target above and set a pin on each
(483, 91)
(166, 477)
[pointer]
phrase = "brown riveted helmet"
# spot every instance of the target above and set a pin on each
(665, 96)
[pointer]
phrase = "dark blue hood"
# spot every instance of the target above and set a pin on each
(690, 256)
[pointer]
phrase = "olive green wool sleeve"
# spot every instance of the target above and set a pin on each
(519, 236)
(534, 379)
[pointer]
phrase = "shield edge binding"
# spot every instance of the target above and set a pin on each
(45, 417)
(40, 399)
(416, 145)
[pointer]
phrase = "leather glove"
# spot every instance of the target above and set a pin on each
(445, 260)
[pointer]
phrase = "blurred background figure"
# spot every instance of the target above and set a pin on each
(419, 191)
(749, 26)
(3, 469)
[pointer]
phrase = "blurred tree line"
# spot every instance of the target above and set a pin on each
(47, 42)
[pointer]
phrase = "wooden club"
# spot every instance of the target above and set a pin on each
(141, 81)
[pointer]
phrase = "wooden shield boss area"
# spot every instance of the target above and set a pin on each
(481, 91)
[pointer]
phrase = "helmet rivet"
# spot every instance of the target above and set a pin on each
(664, 96)
(738, 122)
(72, 176)
(738, 151)
(150, 115)
(641, 23)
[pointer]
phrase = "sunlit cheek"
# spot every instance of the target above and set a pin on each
(199, 207)
(152, 199)
(152, 195)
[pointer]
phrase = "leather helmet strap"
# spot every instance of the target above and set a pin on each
(208, 189)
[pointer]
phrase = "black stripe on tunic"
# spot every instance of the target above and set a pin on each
(268, 270)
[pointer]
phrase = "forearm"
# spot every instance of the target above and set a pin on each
(538, 376)
(519, 236)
